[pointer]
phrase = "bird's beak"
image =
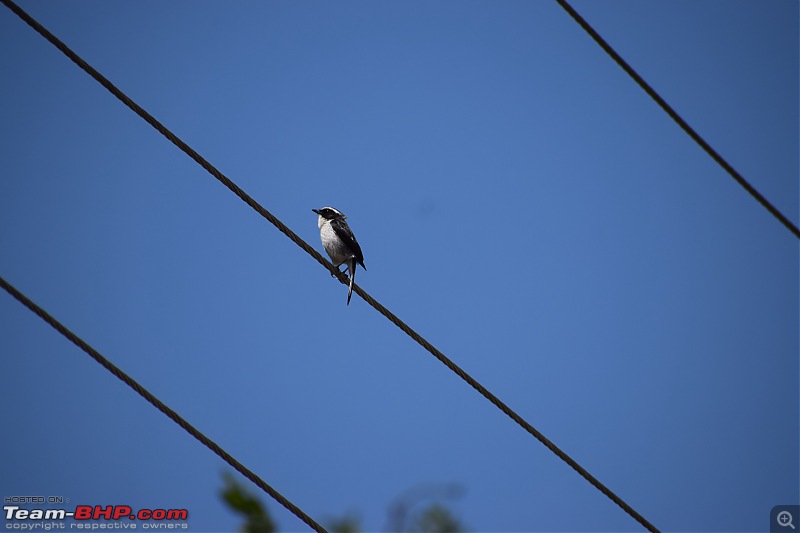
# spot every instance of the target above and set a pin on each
(316, 211)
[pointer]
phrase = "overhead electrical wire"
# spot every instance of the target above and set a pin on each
(158, 404)
(316, 255)
(678, 119)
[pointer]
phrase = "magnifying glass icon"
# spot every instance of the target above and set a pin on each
(785, 519)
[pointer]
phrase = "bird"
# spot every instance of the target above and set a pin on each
(340, 243)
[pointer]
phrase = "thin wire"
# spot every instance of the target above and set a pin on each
(158, 404)
(174, 139)
(678, 119)
(316, 255)
(507, 410)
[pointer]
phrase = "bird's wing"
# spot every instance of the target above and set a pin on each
(344, 232)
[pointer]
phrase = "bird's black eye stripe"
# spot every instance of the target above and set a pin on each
(329, 213)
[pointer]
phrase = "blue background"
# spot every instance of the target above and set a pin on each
(520, 202)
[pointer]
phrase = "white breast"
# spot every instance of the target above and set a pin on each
(336, 249)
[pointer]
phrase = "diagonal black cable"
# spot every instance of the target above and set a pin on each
(316, 255)
(158, 404)
(678, 119)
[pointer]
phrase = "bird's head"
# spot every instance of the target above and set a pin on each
(330, 213)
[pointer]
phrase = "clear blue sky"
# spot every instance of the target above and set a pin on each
(519, 201)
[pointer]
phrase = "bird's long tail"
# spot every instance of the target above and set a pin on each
(351, 266)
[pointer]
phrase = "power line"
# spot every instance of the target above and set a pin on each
(678, 119)
(316, 255)
(158, 404)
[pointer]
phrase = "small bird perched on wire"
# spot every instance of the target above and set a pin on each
(340, 243)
